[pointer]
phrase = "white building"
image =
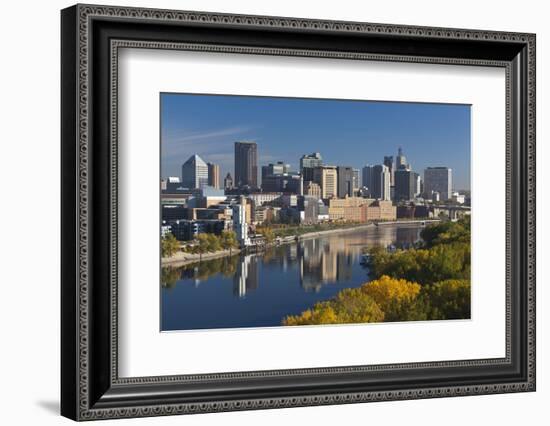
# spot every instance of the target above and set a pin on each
(240, 225)
(261, 198)
(458, 198)
(194, 172)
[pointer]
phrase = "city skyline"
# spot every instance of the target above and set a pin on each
(200, 124)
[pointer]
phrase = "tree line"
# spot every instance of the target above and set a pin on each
(204, 243)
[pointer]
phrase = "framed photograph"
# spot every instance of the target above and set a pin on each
(263, 212)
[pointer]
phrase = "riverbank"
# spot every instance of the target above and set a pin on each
(182, 259)
(316, 234)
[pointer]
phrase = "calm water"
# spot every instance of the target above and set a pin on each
(259, 290)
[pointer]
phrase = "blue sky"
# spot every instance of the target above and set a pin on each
(347, 133)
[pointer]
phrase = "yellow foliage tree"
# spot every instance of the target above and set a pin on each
(386, 290)
(385, 299)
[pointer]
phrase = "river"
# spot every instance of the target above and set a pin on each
(259, 290)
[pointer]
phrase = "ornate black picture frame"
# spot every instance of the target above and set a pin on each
(91, 37)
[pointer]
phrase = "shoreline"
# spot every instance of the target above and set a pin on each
(183, 259)
(316, 234)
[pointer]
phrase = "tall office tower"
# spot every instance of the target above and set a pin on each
(380, 182)
(367, 176)
(401, 160)
(308, 163)
(418, 185)
(405, 184)
(438, 179)
(345, 181)
(356, 180)
(246, 164)
(194, 173)
(275, 169)
(228, 182)
(214, 175)
(327, 178)
(388, 162)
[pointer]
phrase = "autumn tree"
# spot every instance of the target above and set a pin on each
(228, 240)
(394, 296)
(449, 299)
(169, 245)
(268, 234)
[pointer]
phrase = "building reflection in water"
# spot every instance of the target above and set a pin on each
(324, 261)
(246, 275)
(320, 261)
(330, 260)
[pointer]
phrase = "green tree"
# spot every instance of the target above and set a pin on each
(449, 299)
(213, 242)
(268, 234)
(229, 240)
(447, 232)
(203, 244)
(169, 245)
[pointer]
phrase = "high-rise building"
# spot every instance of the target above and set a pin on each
(246, 164)
(405, 184)
(401, 160)
(240, 223)
(380, 182)
(388, 162)
(356, 180)
(327, 178)
(214, 175)
(367, 177)
(228, 182)
(418, 185)
(274, 169)
(194, 172)
(313, 189)
(287, 182)
(312, 160)
(308, 163)
(345, 181)
(438, 179)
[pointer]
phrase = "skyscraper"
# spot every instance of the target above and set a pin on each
(388, 162)
(274, 169)
(438, 179)
(246, 164)
(405, 184)
(345, 181)
(356, 180)
(380, 182)
(367, 176)
(194, 173)
(308, 163)
(327, 178)
(214, 175)
(228, 182)
(418, 186)
(401, 160)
